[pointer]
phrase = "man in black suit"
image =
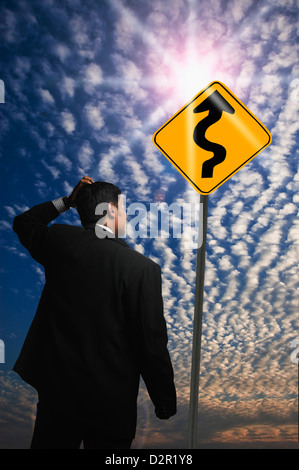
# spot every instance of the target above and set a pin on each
(99, 325)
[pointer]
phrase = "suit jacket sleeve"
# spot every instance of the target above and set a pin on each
(155, 363)
(31, 228)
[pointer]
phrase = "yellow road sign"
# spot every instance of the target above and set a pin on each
(211, 138)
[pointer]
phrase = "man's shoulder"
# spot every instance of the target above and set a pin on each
(134, 266)
(56, 226)
(123, 246)
(141, 259)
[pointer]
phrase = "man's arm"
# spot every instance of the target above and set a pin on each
(155, 363)
(32, 226)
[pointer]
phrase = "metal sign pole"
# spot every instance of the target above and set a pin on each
(197, 328)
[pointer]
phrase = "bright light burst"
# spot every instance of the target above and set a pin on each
(190, 76)
(179, 70)
(182, 76)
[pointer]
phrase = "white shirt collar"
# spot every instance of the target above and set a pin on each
(105, 228)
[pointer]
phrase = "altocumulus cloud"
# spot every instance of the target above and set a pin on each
(86, 87)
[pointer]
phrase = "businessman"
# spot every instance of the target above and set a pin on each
(98, 327)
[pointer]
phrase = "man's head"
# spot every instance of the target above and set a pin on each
(102, 202)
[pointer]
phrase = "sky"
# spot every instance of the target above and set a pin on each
(87, 84)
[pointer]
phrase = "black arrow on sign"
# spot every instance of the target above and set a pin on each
(216, 105)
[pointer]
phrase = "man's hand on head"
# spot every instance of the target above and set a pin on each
(70, 201)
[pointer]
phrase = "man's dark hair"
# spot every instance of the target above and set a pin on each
(93, 194)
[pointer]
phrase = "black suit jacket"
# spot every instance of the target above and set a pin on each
(98, 326)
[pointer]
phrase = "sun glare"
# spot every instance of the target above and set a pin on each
(190, 77)
(189, 81)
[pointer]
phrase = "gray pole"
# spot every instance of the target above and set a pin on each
(197, 328)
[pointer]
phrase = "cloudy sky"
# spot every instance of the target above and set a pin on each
(87, 83)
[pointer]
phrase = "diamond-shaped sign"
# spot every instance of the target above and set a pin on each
(211, 138)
